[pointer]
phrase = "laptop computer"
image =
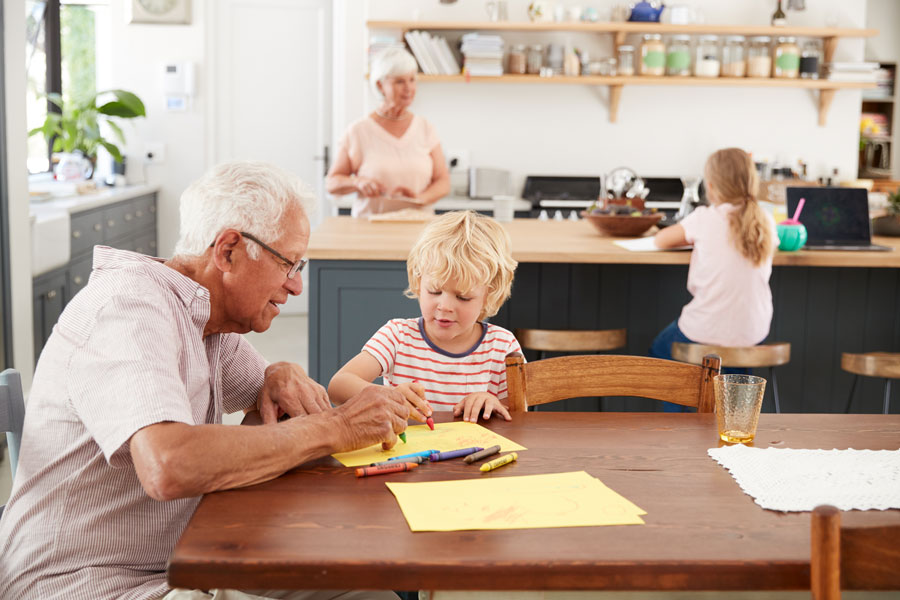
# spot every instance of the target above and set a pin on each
(835, 218)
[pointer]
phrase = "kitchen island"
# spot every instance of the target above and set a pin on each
(569, 277)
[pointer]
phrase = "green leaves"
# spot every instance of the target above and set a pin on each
(78, 127)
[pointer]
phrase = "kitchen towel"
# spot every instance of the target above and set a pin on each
(792, 480)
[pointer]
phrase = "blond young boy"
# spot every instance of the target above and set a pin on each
(461, 270)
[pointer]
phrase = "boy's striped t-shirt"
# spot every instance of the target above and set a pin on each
(406, 354)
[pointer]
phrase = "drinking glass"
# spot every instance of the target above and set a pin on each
(738, 402)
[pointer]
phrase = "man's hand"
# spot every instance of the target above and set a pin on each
(376, 414)
(414, 393)
(288, 390)
(470, 406)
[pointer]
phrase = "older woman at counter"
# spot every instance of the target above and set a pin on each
(392, 158)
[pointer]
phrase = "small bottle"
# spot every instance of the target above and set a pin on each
(517, 60)
(779, 19)
(626, 60)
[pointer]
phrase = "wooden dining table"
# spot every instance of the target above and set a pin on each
(321, 527)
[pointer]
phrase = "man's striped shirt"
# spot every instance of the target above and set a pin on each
(406, 354)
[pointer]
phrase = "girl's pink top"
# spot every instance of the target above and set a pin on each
(732, 304)
(392, 161)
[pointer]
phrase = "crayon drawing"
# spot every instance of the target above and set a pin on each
(533, 501)
(446, 436)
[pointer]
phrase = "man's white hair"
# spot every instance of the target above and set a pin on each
(390, 62)
(248, 196)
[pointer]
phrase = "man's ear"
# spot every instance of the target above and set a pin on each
(223, 250)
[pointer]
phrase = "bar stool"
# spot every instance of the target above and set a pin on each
(872, 364)
(744, 357)
(576, 340)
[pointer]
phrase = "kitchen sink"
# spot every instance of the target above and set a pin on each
(49, 238)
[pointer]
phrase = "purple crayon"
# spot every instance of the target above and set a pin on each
(454, 453)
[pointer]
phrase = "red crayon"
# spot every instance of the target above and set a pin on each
(430, 422)
(397, 467)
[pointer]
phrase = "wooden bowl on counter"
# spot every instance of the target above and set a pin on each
(622, 225)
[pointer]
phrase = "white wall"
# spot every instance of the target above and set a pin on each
(17, 187)
(564, 129)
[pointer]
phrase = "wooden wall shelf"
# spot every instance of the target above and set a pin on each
(620, 30)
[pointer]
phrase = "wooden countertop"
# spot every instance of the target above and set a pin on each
(346, 238)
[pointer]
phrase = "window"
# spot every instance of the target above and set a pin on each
(60, 57)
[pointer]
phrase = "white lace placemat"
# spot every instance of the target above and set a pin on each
(791, 480)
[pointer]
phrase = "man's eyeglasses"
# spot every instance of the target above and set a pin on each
(293, 267)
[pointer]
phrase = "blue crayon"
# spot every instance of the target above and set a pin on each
(425, 453)
(455, 453)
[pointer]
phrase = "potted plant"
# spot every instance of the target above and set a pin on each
(889, 224)
(76, 129)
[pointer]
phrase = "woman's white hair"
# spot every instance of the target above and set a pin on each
(247, 196)
(388, 63)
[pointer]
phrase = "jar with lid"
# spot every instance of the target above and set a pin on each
(706, 63)
(678, 56)
(733, 62)
(535, 59)
(759, 60)
(810, 56)
(653, 55)
(626, 60)
(516, 62)
(786, 63)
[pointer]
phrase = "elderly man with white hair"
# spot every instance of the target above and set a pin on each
(392, 159)
(123, 430)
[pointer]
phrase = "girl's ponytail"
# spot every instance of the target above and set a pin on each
(732, 174)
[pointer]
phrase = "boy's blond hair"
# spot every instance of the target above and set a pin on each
(468, 247)
(730, 172)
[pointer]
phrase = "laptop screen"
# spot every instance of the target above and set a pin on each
(832, 215)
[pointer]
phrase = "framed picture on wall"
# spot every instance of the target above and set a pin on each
(159, 11)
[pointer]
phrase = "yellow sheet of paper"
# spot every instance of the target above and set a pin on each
(573, 499)
(446, 436)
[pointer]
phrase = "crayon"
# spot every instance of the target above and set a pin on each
(386, 469)
(454, 453)
(482, 454)
(425, 453)
(430, 422)
(499, 462)
(411, 459)
(402, 437)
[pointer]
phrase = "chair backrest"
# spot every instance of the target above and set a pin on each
(763, 355)
(859, 558)
(576, 340)
(553, 379)
(12, 413)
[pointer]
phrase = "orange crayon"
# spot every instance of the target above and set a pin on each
(397, 467)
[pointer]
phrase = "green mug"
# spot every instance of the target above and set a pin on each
(791, 237)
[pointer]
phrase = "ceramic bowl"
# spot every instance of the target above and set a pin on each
(622, 225)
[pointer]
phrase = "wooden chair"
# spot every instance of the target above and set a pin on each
(859, 558)
(576, 340)
(12, 414)
(552, 379)
(872, 364)
(742, 357)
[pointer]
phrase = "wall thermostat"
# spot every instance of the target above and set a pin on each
(178, 84)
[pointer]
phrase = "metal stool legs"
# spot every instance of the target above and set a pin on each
(850, 397)
(887, 396)
(775, 389)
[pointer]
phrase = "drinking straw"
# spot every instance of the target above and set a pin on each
(798, 209)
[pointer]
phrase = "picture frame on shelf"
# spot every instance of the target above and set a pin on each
(167, 12)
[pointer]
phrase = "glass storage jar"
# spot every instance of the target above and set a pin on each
(653, 55)
(535, 59)
(759, 60)
(516, 62)
(706, 63)
(626, 60)
(810, 57)
(733, 60)
(678, 56)
(786, 63)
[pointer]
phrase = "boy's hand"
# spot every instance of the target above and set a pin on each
(414, 393)
(470, 407)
